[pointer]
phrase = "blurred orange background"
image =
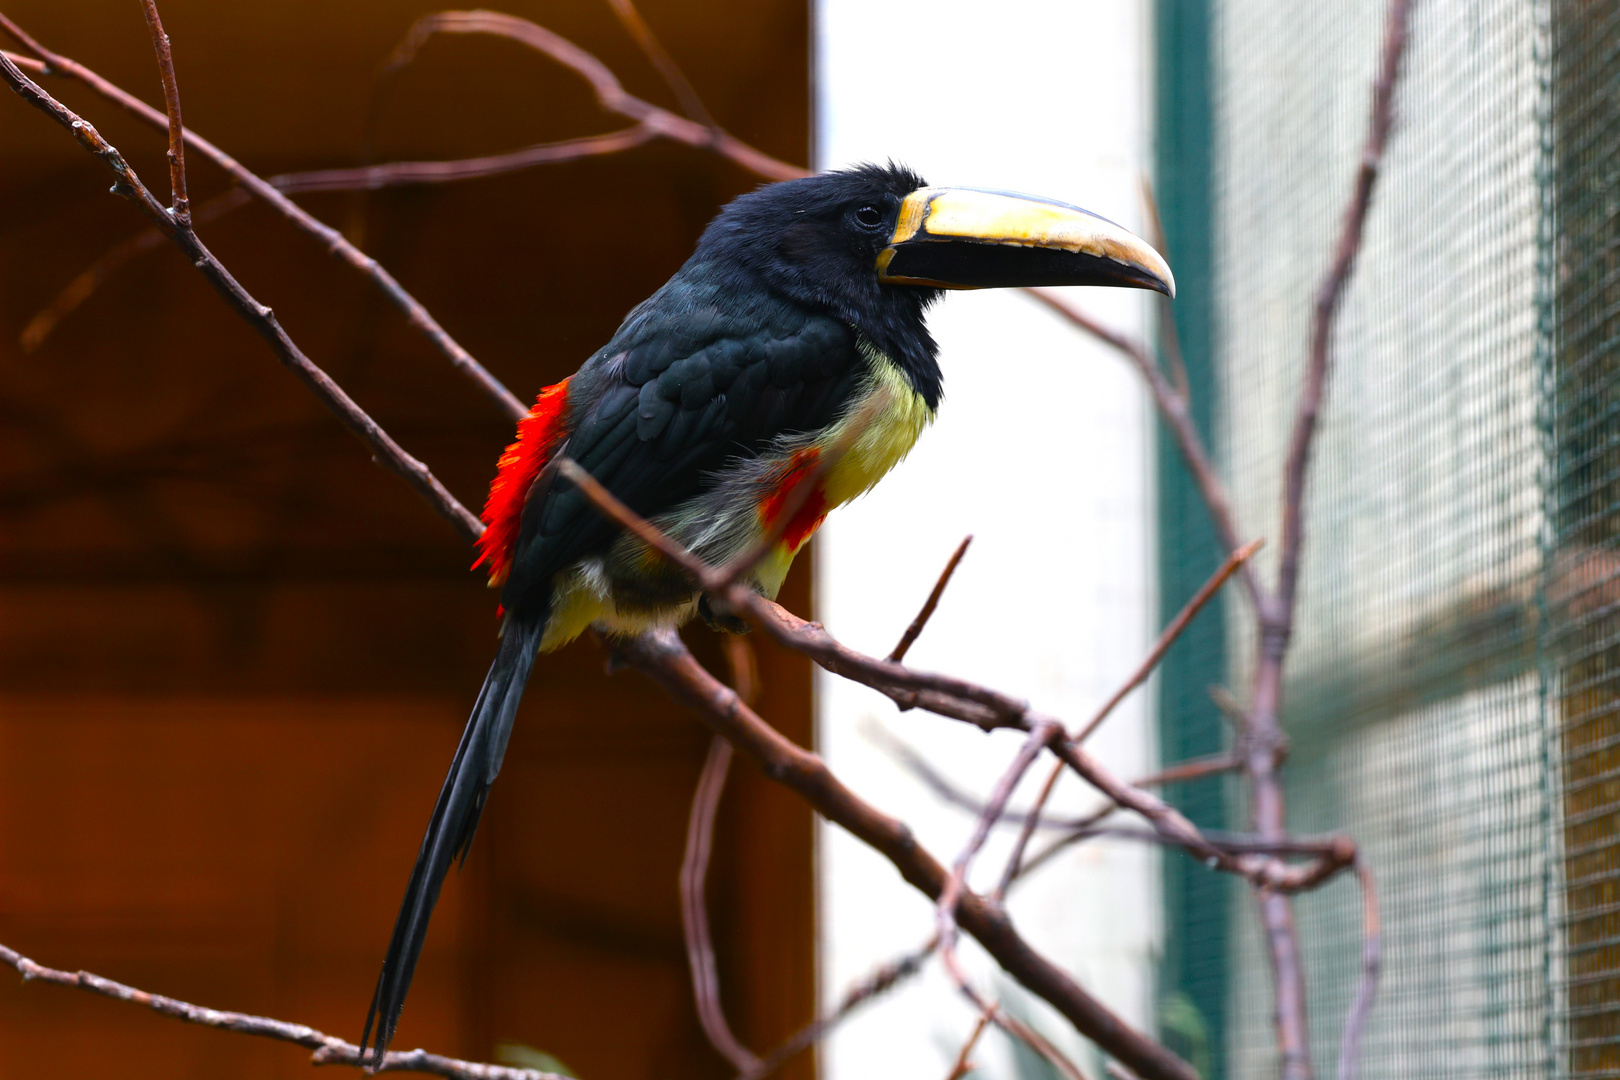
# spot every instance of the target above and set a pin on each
(235, 655)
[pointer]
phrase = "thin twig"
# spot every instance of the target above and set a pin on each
(962, 1066)
(1088, 831)
(1039, 739)
(653, 49)
(1194, 769)
(1176, 413)
(1171, 633)
(922, 769)
(258, 316)
(405, 173)
(1332, 849)
(880, 981)
(1032, 821)
(1372, 949)
(694, 913)
(81, 287)
(1041, 736)
(179, 203)
(1020, 1030)
(333, 240)
(1169, 335)
(1261, 871)
(744, 665)
(651, 122)
(327, 1049)
(695, 871)
(915, 630)
(1327, 303)
(1231, 708)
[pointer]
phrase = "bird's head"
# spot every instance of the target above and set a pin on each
(875, 245)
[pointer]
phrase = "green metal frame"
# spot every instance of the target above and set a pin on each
(1193, 978)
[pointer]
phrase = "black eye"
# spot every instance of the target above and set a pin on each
(869, 217)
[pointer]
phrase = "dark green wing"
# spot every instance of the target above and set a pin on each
(695, 377)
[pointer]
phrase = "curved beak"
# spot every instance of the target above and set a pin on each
(965, 238)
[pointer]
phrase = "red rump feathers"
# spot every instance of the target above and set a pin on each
(537, 437)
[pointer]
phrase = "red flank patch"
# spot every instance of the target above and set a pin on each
(784, 482)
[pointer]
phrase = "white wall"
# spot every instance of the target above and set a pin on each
(1040, 451)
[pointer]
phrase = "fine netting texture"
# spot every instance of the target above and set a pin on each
(1583, 642)
(1422, 703)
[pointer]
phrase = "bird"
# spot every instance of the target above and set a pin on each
(796, 330)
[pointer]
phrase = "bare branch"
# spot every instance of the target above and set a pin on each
(673, 76)
(1017, 1028)
(962, 1066)
(662, 656)
(1231, 708)
(1327, 302)
(1168, 638)
(1264, 742)
(941, 785)
(81, 287)
(179, 203)
(1191, 770)
(915, 630)
(327, 1049)
(1177, 416)
(694, 914)
(879, 982)
(258, 316)
(334, 241)
(401, 173)
(611, 97)
(1170, 635)
(1262, 872)
(1372, 950)
(1169, 336)
(1041, 736)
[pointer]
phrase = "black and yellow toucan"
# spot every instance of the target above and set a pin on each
(801, 308)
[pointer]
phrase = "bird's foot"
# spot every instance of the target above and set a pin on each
(730, 622)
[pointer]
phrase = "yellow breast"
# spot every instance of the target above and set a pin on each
(893, 414)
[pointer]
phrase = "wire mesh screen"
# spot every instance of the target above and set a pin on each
(1454, 687)
(1581, 578)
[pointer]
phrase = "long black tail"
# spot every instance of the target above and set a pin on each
(455, 818)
